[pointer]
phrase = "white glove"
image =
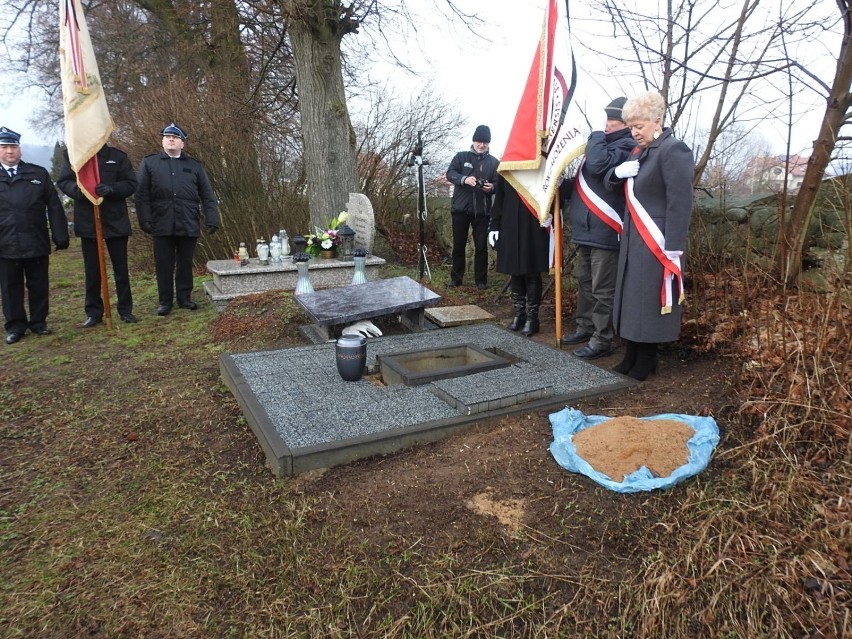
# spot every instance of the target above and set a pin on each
(548, 221)
(601, 121)
(493, 236)
(627, 169)
(364, 328)
(674, 256)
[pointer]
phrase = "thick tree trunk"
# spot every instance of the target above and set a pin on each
(839, 102)
(329, 151)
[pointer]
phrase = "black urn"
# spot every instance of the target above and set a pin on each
(351, 355)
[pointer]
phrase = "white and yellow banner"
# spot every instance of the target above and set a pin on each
(88, 124)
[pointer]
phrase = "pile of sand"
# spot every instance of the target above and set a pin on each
(620, 446)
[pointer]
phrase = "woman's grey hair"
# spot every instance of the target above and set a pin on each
(645, 106)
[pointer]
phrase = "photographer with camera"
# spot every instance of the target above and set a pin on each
(474, 174)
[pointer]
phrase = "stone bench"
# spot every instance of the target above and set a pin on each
(231, 280)
(331, 309)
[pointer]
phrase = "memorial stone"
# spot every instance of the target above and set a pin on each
(362, 220)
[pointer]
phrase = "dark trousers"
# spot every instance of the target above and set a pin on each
(117, 249)
(596, 270)
(173, 264)
(14, 276)
(462, 223)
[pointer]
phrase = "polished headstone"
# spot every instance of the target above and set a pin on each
(352, 303)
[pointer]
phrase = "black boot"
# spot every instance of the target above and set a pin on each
(646, 362)
(533, 284)
(519, 302)
(629, 358)
(531, 325)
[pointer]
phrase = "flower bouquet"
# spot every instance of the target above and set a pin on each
(326, 239)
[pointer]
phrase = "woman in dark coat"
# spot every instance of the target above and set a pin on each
(522, 252)
(658, 187)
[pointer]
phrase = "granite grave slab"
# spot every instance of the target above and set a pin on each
(305, 416)
(230, 279)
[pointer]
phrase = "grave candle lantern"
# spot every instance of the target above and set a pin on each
(347, 242)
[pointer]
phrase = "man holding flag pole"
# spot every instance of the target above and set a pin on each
(548, 133)
(88, 124)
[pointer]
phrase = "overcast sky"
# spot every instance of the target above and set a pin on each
(483, 76)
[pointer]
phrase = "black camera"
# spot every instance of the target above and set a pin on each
(480, 183)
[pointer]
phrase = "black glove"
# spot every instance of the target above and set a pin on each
(212, 228)
(147, 227)
(103, 190)
(61, 246)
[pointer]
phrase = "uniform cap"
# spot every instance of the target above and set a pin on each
(174, 129)
(9, 137)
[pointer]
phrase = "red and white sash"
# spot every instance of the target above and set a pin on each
(656, 243)
(597, 205)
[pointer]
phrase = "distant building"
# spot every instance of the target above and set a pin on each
(769, 173)
(441, 186)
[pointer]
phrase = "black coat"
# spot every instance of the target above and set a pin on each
(523, 245)
(115, 170)
(27, 203)
(469, 199)
(603, 152)
(664, 187)
(170, 195)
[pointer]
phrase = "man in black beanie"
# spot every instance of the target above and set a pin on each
(474, 174)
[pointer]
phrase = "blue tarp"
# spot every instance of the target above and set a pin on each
(569, 421)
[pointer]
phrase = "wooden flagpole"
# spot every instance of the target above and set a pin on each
(99, 234)
(557, 265)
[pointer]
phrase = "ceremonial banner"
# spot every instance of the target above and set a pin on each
(549, 131)
(87, 121)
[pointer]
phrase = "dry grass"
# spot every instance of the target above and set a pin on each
(769, 556)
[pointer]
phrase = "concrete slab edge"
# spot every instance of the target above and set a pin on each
(279, 459)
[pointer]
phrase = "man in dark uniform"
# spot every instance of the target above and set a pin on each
(474, 173)
(172, 189)
(117, 183)
(28, 203)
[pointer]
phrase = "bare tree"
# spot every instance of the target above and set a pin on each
(838, 112)
(707, 63)
(386, 140)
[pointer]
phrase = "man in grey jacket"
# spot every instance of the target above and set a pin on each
(594, 215)
(172, 192)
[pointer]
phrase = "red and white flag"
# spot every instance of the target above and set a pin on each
(87, 121)
(549, 131)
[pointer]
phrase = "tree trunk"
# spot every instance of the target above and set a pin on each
(329, 140)
(839, 101)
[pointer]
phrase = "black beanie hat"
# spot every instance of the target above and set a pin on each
(482, 134)
(613, 109)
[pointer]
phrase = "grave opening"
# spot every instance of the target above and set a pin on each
(414, 368)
